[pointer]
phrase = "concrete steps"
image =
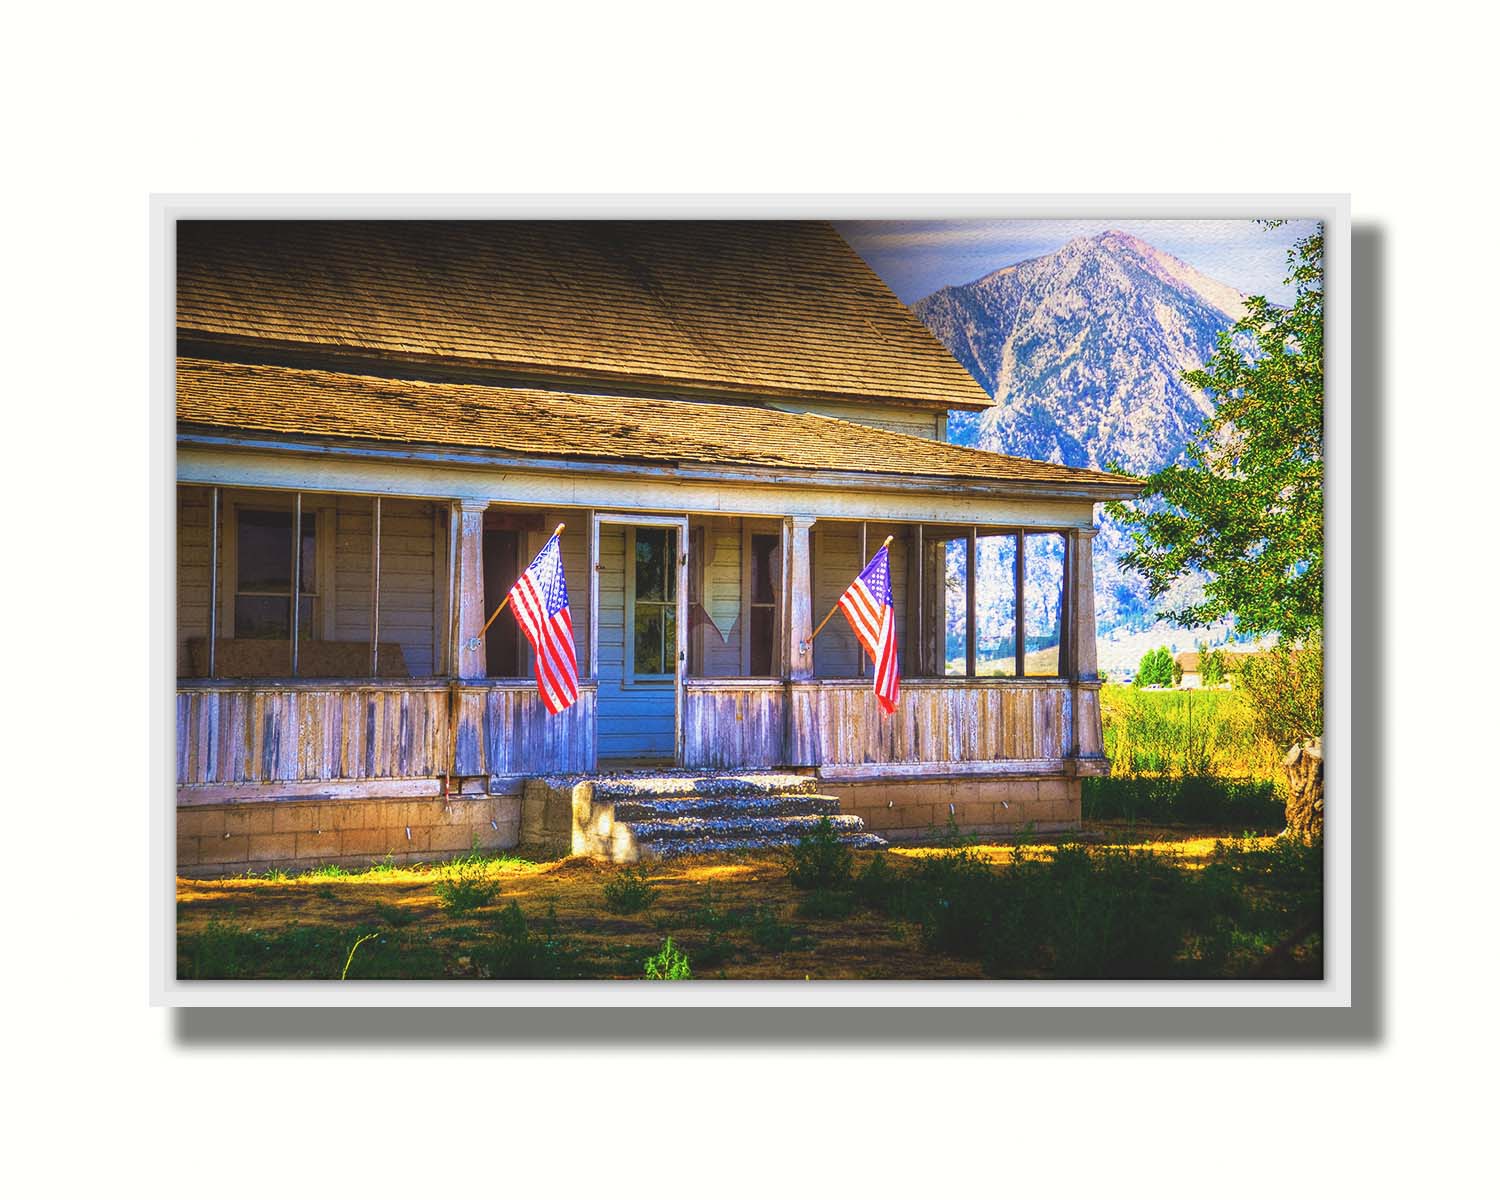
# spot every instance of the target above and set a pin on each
(641, 816)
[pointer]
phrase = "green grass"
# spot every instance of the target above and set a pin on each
(1087, 912)
(1158, 908)
(629, 892)
(1183, 733)
(466, 885)
(1193, 800)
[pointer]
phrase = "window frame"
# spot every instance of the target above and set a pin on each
(324, 606)
(939, 536)
(629, 673)
(750, 529)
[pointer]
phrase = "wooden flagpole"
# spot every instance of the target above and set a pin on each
(474, 641)
(889, 539)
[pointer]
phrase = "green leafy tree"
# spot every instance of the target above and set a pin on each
(1246, 507)
(1155, 669)
(1211, 666)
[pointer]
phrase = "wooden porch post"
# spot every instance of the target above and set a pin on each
(916, 660)
(799, 733)
(468, 590)
(799, 655)
(1083, 654)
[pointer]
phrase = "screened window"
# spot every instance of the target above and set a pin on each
(765, 599)
(263, 577)
(995, 605)
(955, 631)
(655, 603)
(1044, 603)
(1002, 604)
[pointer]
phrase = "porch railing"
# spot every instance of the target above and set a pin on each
(962, 724)
(301, 732)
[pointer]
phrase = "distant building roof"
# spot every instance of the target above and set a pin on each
(1190, 660)
(748, 308)
(542, 424)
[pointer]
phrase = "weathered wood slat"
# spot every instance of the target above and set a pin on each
(503, 729)
(839, 723)
(277, 734)
(733, 723)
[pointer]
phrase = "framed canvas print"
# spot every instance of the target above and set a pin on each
(783, 598)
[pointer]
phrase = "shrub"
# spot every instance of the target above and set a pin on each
(1116, 913)
(711, 915)
(395, 916)
(515, 951)
(770, 932)
(1283, 691)
(877, 886)
(820, 860)
(466, 886)
(629, 892)
(826, 905)
(713, 951)
(668, 963)
(953, 898)
(1184, 800)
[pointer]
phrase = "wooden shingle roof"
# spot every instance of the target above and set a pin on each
(743, 308)
(549, 425)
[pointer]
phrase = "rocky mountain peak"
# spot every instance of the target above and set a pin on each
(1083, 351)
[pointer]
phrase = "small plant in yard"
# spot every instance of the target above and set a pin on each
(465, 886)
(770, 932)
(395, 916)
(384, 866)
(877, 886)
(358, 942)
(516, 951)
(668, 963)
(714, 951)
(826, 905)
(629, 892)
(820, 860)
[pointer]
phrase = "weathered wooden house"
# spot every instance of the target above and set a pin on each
(378, 423)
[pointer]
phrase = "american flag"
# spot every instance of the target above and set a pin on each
(868, 606)
(540, 602)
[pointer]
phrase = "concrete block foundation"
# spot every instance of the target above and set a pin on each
(910, 809)
(295, 835)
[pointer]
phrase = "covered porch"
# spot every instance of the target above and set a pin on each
(694, 634)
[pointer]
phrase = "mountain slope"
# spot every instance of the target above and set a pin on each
(1083, 351)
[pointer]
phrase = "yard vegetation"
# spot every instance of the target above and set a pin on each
(1199, 758)
(1137, 903)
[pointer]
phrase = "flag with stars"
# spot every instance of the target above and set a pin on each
(540, 602)
(872, 614)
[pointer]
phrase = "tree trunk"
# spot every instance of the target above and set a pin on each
(1304, 796)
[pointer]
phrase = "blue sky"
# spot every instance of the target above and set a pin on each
(916, 258)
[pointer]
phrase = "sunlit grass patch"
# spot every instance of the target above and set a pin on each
(1231, 905)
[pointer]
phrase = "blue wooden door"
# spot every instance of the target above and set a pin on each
(639, 607)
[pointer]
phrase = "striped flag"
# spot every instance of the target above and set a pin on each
(868, 606)
(540, 602)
